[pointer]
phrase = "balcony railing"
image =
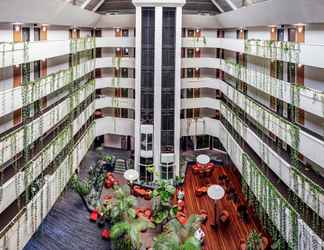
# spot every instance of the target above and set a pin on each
(275, 50)
(308, 99)
(298, 139)
(283, 216)
(14, 143)
(18, 183)
(25, 224)
(15, 98)
(308, 191)
(81, 44)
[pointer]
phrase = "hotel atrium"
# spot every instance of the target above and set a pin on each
(161, 124)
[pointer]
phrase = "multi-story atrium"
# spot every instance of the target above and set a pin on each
(161, 124)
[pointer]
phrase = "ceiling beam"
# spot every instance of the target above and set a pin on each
(217, 6)
(85, 4)
(98, 5)
(231, 4)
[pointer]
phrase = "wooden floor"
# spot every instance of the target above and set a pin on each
(226, 237)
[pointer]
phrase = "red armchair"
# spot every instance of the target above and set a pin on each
(204, 214)
(224, 217)
(200, 191)
(110, 181)
(243, 245)
(105, 234)
(94, 216)
(196, 169)
(142, 192)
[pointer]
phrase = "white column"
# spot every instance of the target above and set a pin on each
(177, 99)
(157, 87)
(138, 52)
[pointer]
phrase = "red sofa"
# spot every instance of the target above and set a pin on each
(110, 181)
(142, 192)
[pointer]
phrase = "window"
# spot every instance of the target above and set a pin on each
(167, 170)
(147, 142)
(145, 175)
(202, 141)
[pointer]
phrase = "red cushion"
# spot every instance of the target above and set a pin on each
(105, 234)
(94, 216)
(148, 213)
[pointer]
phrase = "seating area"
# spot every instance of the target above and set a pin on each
(142, 192)
(236, 220)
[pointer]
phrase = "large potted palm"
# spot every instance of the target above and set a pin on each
(179, 237)
(126, 234)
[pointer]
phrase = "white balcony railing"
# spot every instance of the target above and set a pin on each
(115, 126)
(17, 184)
(284, 51)
(24, 52)
(14, 143)
(15, 98)
(115, 102)
(17, 233)
(292, 228)
(305, 98)
(115, 82)
(308, 191)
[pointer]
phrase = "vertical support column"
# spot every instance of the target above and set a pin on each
(177, 99)
(138, 52)
(157, 87)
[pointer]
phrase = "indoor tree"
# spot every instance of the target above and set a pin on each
(162, 206)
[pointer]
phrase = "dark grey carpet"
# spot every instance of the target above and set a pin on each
(67, 226)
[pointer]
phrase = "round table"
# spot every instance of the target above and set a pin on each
(203, 159)
(131, 175)
(216, 192)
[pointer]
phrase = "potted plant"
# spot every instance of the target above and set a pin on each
(178, 236)
(254, 241)
(107, 162)
(179, 181)
(125, 232)
(161, 201)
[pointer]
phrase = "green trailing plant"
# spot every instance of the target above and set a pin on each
(107, 158)
(179, 237)
(254, 241)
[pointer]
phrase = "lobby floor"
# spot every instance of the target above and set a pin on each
(226, 237)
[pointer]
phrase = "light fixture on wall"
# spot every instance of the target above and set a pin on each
(118, 49)
(300, 27)
(17, 27)
(197, 49)
(117, 30)
(300, 65)
(197, 30)
(44, 27)
(273, 29)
